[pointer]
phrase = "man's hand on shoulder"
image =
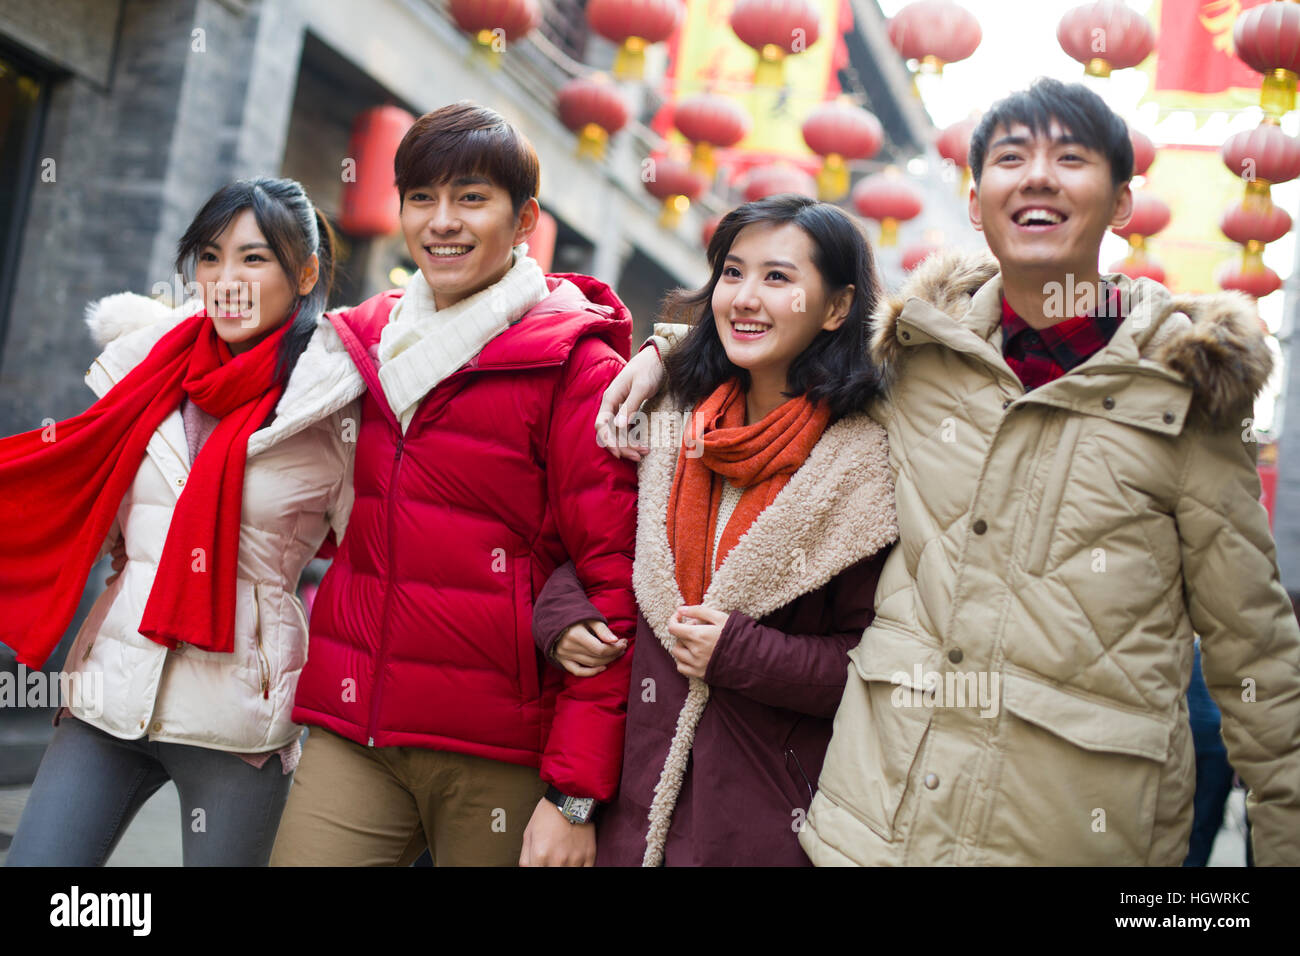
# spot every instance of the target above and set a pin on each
(637, 382)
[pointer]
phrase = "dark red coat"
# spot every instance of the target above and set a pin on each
(760, 743)
(421, 629)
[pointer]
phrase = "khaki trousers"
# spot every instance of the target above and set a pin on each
(380, 806)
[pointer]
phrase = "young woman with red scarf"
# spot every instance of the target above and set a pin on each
(762, 527)
(217, 459)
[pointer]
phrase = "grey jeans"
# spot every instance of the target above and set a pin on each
(91, 784)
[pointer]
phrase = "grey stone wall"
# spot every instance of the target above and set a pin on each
(76, 35)
(196, 90)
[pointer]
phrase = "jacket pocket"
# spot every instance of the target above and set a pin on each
(1058, 475)
(879, 727)
(525, 649)
(263, 659)
(1079, 777)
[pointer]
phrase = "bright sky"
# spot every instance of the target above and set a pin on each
(1019, 43)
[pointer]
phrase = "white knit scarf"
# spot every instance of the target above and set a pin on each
(421, 344)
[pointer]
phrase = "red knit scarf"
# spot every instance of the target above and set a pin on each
(759, 458)
(60, 488)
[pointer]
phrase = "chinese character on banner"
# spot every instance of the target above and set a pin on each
(1194, 67)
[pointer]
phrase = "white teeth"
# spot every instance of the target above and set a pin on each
(1039, 217)
(748, 327)
(448, 250)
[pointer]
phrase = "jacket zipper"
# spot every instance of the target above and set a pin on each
(388, 592)
(261, 657)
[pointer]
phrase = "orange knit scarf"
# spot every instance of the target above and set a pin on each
(760, 458)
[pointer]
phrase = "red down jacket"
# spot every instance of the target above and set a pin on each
(421, 632)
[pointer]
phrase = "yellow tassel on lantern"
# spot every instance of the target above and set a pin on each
(833, 179)
(1257, 190)
(931, 64)
(963, 182)
(488, 47)
(1137, 246)
(1277, 95)
(702, 160)
(670, 216)
(629, 62)
(591, 141)
(889, 231)
(770, 70)
(1097, 67)
(1252, 256)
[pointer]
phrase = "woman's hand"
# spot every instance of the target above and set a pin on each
(639, 381)
(119, 560)
(697, 628)
(587, 648)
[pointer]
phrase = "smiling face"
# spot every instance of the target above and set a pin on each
(771, 302)
(461, 234)
(1045, 201)
(245, 289)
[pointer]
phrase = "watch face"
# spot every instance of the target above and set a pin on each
(579, 807)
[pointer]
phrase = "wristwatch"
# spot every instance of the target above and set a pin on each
(573, 809)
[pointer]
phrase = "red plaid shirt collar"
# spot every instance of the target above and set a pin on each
(1039, 356)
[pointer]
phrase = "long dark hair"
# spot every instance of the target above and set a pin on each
(293, 228)
(836, 367)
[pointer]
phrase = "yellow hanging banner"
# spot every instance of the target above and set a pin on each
(706, 55)
(1199, 189)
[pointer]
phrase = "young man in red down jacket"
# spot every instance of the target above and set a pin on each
(476, 475)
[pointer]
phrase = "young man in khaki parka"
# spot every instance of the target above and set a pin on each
(1077, 497)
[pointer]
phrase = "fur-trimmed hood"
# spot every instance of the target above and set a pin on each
(1215, 342)
(127, 326)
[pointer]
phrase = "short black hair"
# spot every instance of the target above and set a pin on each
(1078, 109)
(836, 367)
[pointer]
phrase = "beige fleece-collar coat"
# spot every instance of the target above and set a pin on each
(1058, 549)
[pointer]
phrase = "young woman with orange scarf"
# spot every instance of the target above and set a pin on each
(217, 458)
(763, 522)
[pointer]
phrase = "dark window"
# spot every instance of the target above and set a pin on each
(22, 97)
(565, 24)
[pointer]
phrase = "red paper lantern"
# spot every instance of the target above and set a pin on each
(1139, 267)
(953, 145)
(776, 29)
(710, 121)
(934, 32)
(1253, 221)
(1262, 156)
(541, 244)
(708, 229)
(1267, 39)
(838, 132)
(1105, 35)
(774, 180)
(371, 204)
(675, 183)
(917, 253)
(954, 142)
(1258, 281)
(1150, 215)
(1144, 151)
(889, 199)
(634, 25)
(593, 108)
(482, 18)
